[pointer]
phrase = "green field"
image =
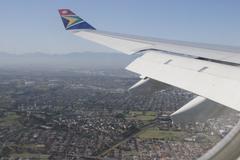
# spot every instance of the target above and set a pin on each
(10, 119)
(142, 115)
(160, 134)
(29, 155)
(31, 146)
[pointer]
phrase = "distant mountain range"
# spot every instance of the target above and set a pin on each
(72, 60)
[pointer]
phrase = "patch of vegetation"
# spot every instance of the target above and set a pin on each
(29, 156)
(142, 115)
(155, 133)
(31, 146)
(12, 151)
(10, 119)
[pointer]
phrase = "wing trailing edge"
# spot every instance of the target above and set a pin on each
(208, 79)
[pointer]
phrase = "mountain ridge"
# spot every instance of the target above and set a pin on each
(68, 60)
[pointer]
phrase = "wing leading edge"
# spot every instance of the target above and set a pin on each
(211, 72)
(132, 44)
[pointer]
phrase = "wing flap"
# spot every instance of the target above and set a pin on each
(217, 82)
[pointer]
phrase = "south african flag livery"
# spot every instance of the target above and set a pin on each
(72, 22)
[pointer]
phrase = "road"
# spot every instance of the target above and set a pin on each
(142, 129)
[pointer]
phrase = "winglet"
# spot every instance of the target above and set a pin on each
(72, 22)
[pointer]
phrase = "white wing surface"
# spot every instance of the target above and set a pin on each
(132, 44)
(210, 71)
(217, 82)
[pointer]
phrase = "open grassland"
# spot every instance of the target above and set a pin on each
(142, 115)
(11, 119)
(29, 156)
(155, 133)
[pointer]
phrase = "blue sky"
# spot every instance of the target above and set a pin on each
(34, 26)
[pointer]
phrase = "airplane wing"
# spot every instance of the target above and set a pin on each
(210, 71)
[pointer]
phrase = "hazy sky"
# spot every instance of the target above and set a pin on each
(34, 25)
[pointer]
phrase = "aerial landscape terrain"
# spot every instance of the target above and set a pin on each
(120, 80)
(60, 107)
